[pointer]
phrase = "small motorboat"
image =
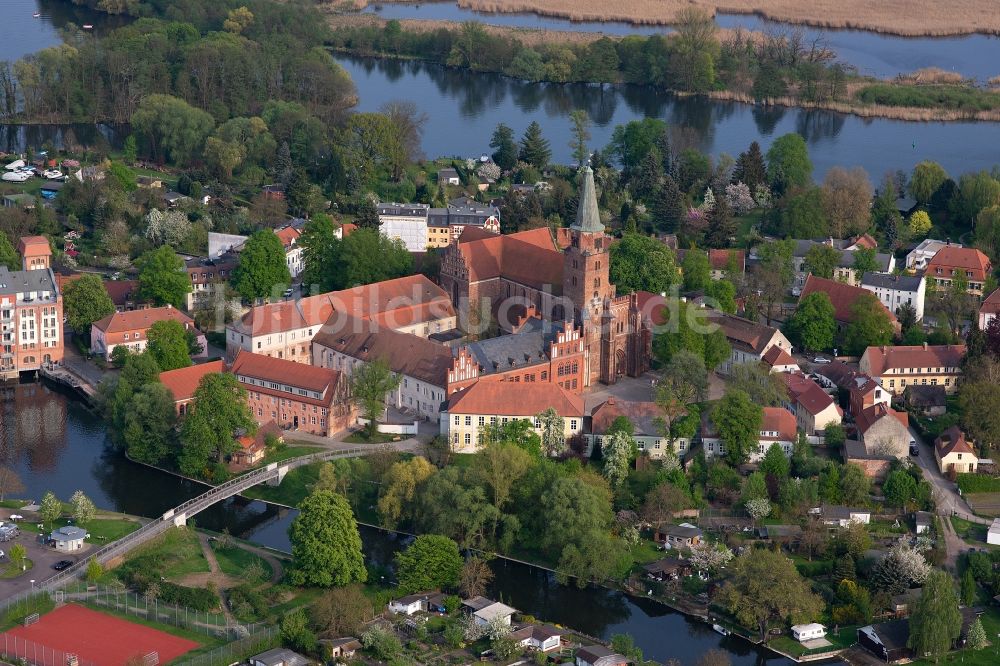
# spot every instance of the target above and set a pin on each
(720, 629)
(15, 165)
(36, 15)
(88, 26)
(16, 176)
(54, 174)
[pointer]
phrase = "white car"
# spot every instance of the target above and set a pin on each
(16, 176)
(54, 174)
(820, 359)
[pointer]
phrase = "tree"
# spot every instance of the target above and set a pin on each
(788, 163)
(697, 270)
(382, 643)
(366, 257)
(341, 611)
(920, 224)
(758, 508)
(220, 412)
(617, 450)
(500, 466)
(976, 638)
(855, 485)
(82, 509)
(738, 421)
(167, 342)
(813, 326)
(864, 262)
(899, 487)
(94, 570)
(775, 463)
(51, 508)
(163, 278)
(535, 148)
(800, 214)
(710, 557)
(764, 587)
(85, 300)
(979, 404)
(575, 511)
(505, 149)
(238, 20)
(475, 577)
(641, 263)
(667, 206)
(10, 482)
(295, 631)
(326, 545)
(721, 227)
(821, 260)
(8, 255)
(371, 383)
(976, 191)
(968, 588)
(750, 168)
(431, 562)
(847, 197)
(900, 569)
(695, 49)
(927, 177)
(18, 555)
(580, 131)
(553, 432)
(764, 387)
(714, 657)
(262, 269)
(400, 486)
(147, 422)
(662, 502)
(871, 325)
(935, 623)
(723, 292)
(172, 128)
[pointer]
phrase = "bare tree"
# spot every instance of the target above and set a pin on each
(10, 482)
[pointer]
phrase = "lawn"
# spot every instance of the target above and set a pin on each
(646, 551)
(12, 570)
(289, 452)
(378, 438)
(101, 530)
(973, 533)
(295, 486)
(179, 552)
(846, 637)
(234, 561)
(984, 504)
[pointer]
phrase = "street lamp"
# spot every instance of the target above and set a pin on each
(32, 584)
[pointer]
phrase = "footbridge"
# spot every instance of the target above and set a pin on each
(272, 474)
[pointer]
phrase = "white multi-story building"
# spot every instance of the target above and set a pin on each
(293, 251)
(896, 290)
(918, 257)
(778, 427)
(407, 222)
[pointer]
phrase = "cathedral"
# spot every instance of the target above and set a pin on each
(563, 280)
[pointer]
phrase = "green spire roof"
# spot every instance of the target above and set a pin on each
(588, 218)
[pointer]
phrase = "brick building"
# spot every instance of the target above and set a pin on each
(35, 253)
(183, 382)
(563, 279)
(295, 396)
(31, 311)
(131, 329)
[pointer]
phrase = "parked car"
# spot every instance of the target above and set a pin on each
(821, 359)
(62, 564)
(288, 292)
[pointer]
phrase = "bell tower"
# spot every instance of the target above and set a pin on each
(585, 264)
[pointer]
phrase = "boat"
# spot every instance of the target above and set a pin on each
(87, 26)
(36, 15)
(720, 629)
(16, 164)
(16, 176)
(54, 174)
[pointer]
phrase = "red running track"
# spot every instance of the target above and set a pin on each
(104, 640)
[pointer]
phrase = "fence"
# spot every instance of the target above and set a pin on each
(152, 609)
(13, 647)
(265, 639)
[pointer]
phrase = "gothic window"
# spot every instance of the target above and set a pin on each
(597, 282)
(574, 280)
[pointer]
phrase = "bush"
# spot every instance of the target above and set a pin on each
(248, 603)
(813, 569)
(195, 598)
(963, 98)
(978, 483)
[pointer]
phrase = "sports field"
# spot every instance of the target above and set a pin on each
(103, 640)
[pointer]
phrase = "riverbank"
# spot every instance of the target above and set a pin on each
(920, 97)
(912, 18)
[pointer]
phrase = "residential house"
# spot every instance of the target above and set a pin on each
(183, 382)
(778, 427)
(749, 340)
(289, 237)
(894, 291)
(406, 222)
(598, 655)
(928, 400)
(285, 329)
(951, 261)
(209, 281)
(721, 261)
(923, 521)
(989, 310)
(844, 270)
(539, 637)
(843, 297)
(446, 225)
(489, 401)
(252, 448)
(486, 611)
(842, 516)
(646, 419)
(874, 464)
(131, 329)
(173, 199)
(297, 397)
(36, 254)
(865, 392)
(220, 244)
(31, 315)
(125, 295)
(884, 431)
(914, 365)
(778, 360)
(920, 256)
(813, 407)
(953, 453)
(279, 657)
(448, 176)
(684, 535)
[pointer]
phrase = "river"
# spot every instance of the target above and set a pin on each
(56, 443)
(873, 54)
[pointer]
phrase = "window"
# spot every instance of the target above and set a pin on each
(468, 420)
(572, 424)
(482, 421)
(468, 439)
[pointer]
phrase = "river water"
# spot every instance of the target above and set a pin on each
(56, 443)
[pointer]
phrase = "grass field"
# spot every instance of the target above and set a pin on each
(291, 451)
(293, 488)
(180, 552)
(101, 530)
(234, 561)
(984, 504)
(973, 533)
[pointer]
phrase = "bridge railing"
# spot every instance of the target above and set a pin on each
(193, 506)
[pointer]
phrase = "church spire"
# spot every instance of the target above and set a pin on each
(588, 217)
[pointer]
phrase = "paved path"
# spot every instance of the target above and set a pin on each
(337, 443)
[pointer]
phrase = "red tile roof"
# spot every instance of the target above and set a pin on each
(782, 421)
(951, 257)
(643, 415)
(33, 246)
(287, 235)
(743, 333)
(515, 399)
(719, 259)
(259, 440)
(869, 417)
(283, 371)
(881, 359)
(528, 257)
(952, 440)
(347, 228)
(653, 307)
(183, 382)
(842, 296)
(806, 392)
(141, 320)
(776, 356)
(865, 241)
(122, 292)
(992, 304)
